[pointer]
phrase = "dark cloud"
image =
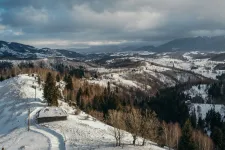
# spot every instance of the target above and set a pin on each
(84, 22)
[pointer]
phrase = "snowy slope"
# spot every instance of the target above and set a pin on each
(78, 132)
(18, 50)
(201, 91)
(202, 109)
(85, 132)
(16, 96)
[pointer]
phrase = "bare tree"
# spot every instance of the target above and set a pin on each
(133, 123)
(177, 131)
(203, 141)
(116, 119)
(165, 132)
(149, 126)
(172, 133)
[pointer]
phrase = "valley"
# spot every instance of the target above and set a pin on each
(137, 78)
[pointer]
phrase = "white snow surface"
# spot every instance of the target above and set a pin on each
(202, 109)
(78, 132)
(200, 90)
(51, 112)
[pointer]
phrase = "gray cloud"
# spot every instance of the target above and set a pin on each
(57, 23)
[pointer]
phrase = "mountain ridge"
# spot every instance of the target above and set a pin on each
(23, 51)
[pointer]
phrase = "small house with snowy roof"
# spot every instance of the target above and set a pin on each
(49, 114)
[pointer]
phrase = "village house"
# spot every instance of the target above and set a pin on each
(49, 114)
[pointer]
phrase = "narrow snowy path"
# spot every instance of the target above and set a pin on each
(56, 140)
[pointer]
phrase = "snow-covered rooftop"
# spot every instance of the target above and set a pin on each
(52, 112)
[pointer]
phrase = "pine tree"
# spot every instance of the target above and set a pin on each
(201, 123)
(39, 80)
(193, 119)
(82, 104)
(65, 78)
(2, 78)
(51, 93)
(108, 88)
(78, 97)
(217, 137)
(55, 96)
(213, 119)
(69, 83)
(86, 91)
(58, 78)
(186, 140)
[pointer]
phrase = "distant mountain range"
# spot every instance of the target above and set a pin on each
(216, 43)
(21, 51)
(12, 50)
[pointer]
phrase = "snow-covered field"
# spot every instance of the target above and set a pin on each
(202, 109)
(78, 132)
(200, 90)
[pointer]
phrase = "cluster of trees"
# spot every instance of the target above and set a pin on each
(194, 139)
(118, 110)
(5, 65)
(209, 130)
(214, 123)
(216, 90)
(136, 122)
(146, 125)
(169, 105)
(99, 102)
(26, 65)
(65, 69)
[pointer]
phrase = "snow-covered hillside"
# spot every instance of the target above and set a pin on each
(198, 91)
(78, 132)
(202, 109)
(21, 51)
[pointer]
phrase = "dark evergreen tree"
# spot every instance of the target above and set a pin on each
(213, 119)
(39, 80)
(201, 124)
(65, 77)
(117, 89)
(193, 119)
(214, 90)
(217, 137)
(108, 87)
(82, 104)
(2, 78)
(86, 91)
(51, 92)
(77, 72)
(223, 131)
(69, 83)
(58, 78)
(186, 140)
(78, 97)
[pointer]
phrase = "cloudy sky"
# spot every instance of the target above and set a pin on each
(75, 23)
